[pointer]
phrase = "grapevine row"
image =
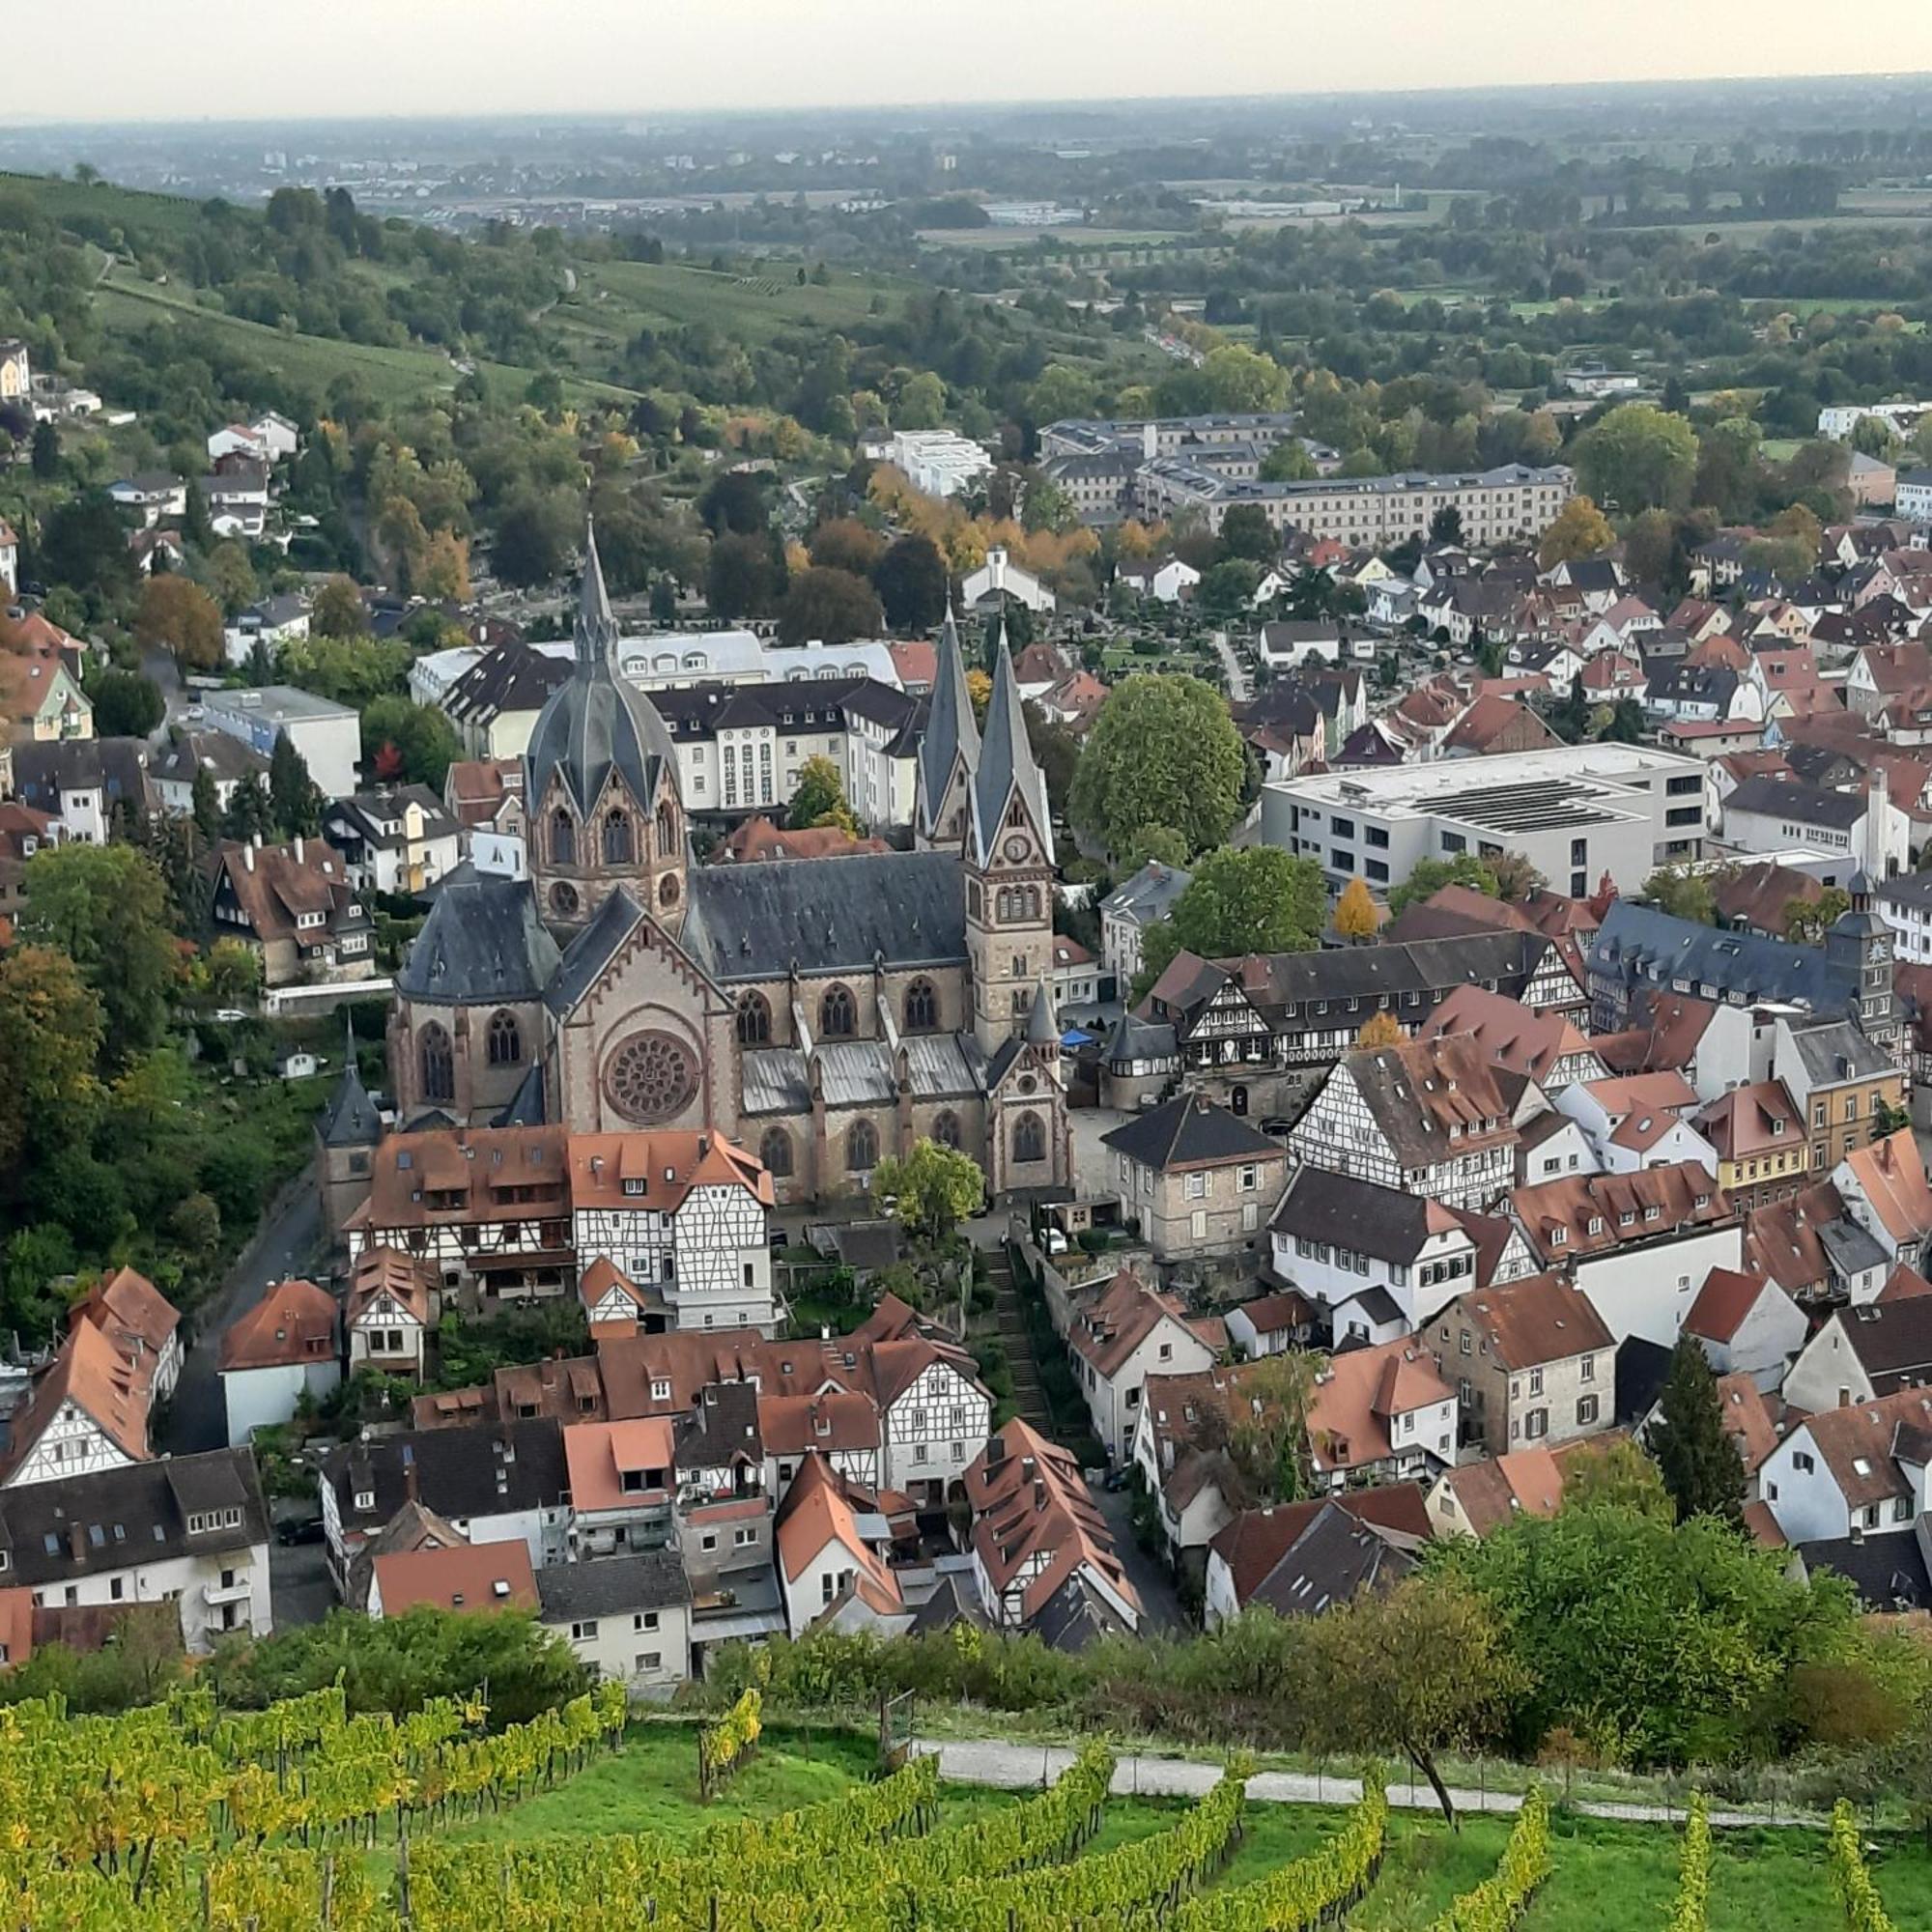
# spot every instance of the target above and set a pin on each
(1500, 1900)
(1857, 1895)
(1313, 1891)
(724, 1746)
(1692, 1909)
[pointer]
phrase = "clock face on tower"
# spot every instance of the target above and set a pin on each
(1016, 849)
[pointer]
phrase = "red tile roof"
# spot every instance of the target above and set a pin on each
(293, 1323)
(471, 1576)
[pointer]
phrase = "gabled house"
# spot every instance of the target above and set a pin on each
(1181, 1434)
(1043, 1558)
(1638, 1120)
(1637, 1244)
(1129, 1332)
(1747, 1324)
(1479, 1498)
(282, 1350)
(294, 905)
(1300, 1558)
(1436, 1116)
(1862, 1467)
(832, 1544)
(1544, 1046)
(388, 1312)
(622, 1484)
(142, 1325)
(1886, 1193)
(468, 1577)
(87, 1411)
(1757, 1132)
(1381, 1414)
(1862, 1353)
(627, 1617)
(1531, 1360)
(1195, 1177)
(1380, 1260)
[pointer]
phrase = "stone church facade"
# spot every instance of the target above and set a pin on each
(821, 1013)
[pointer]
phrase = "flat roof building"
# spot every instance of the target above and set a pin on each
(328, 735)
(1576, 813)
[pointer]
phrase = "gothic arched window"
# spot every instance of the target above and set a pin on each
(667, 833)
(754, 1021)
(1029, 1138)
(438, 1061)
(838, 1014)
(617, 843)
(775, 1150)
(946, 1130)
(922, 1007)
(862, 1147)
(562, 838)
(505, 1040)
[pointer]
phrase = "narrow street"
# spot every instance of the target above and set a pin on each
(1018, 1341)
(287, 1243)
(1241, 687)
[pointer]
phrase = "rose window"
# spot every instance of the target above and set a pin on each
(651, 1078)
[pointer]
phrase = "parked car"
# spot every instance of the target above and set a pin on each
(295, 1529)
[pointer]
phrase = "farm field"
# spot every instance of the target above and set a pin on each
(619, 297)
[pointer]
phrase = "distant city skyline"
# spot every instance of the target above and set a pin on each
(104, 60)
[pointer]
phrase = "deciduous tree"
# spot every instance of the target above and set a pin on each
(1580, 530)
(1252, 899)
(1429, 876)
(821, 797)
(1163, 750)
(910, 579)
(1355, 916)
(829, 606)
(934, 1187)
(181, 617)
(1638, 458)
(338, 611)
(1380, 1029)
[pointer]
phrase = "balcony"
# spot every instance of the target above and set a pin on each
(215, 1595)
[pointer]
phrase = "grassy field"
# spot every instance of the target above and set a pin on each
(126, 303)
(619, 297)
(69, 201)
(1604, 1874)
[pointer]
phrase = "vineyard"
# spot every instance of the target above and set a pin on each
(183, 1816)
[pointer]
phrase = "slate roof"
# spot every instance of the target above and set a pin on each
(1007, 764)
(1887, 1571)
(349, 1120)
(1190, 1130)
(1384, 1222)
(1337, 1558)
(590, 951)
(1837, 1052)
(1150, 894)
(950, 732)
(1638, 942)
(461, 1473)
(1808, 805)
(598, 723)
(1255, 1542)
(757, 920)
(481, 943)
(1129, 1040)
(115, 1519)
(1893, 1340)
(610, 1586)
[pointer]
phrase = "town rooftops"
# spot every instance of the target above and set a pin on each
(1189, 1131)
(133, 1314)
(1750, 1122)
(1436, 1099)
(1388, 1223)
(466, 1577)
(1891, 1341)
(1579, 1216)
(1891, 1178)
(655, 1171)
(1539, 1320)
(1727, 1298)
(616, 1466)
(606, 1586)
(91, 1372)
(1108, 1330)
(1498, 1488)
(1358, 1395)
(1520, 1039)
(1861, 1444)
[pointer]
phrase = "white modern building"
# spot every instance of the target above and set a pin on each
(1576, 813)
(328, 735)
(939, 463)
(1840, 419)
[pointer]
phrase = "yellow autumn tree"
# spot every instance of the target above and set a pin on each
(1380, 1030)
(1356, 912)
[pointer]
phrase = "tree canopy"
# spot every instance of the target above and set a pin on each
(1252, 899)
(1638, 458)
(1429, 876)
(1696, 1455)
(1163, 750)
(934, 1187)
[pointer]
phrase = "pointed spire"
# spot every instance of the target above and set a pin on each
(950, 730)
(1005, 761)
(1043, 1026)
(596, 629)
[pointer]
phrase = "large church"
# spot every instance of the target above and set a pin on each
(822, 1012)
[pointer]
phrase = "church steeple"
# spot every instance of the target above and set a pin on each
(1007, 766)
(948, 753)
(595, 631)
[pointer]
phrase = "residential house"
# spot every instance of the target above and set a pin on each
(1130, 1331)
(152, 494)
(141, 1322)
(495, 704)
(294, 905)
(1436, 1117)
(1637, 1244)
(1196, 1177)
(1813, 1249)
(1638, 1120)
(1844, 1088)
(1076, 978)
(400, 840)
(1757, 1133)
(1166, 582)
(1862, 830)
(1544, 1046)
(508, 1481)
(1300, 1558)
(1129, 909)
(622, 1484)
(1886, 1192)
(1271, 1324)
(280, 1351)
(1479, 1498)
(1858, 1469)
(626, 1617)
(1043, 1558)
(389, 1313)
(1862, 1353)
(465, 1576)
(42, 701)
(1532, 1362)
(1181, 1449)
(1381, 1414)
(1747, 1324)
(832, 1544)
(1379, 1261)
(86, 1411)
(191, 1530)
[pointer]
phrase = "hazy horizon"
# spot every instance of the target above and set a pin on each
(98, 60)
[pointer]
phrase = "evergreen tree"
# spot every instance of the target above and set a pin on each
(205, 802)
(294, 796)
(196, 525)
(1702, 1470)
(249, 810)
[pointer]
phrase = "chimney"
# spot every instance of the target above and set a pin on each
(255, 840)
(298, 848)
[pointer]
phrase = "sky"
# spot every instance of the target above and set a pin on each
(98, 60)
